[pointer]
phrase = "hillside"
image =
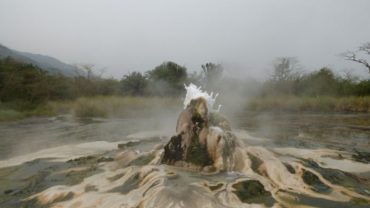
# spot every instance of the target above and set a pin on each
(46, 63)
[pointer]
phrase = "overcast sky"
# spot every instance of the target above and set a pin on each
(243, 35)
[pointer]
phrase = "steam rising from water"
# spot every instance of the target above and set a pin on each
(131, 175)
(135, 178)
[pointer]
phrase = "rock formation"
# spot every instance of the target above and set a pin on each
(203, 139)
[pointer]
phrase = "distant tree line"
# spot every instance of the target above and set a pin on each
(287, 79)
(26, 85)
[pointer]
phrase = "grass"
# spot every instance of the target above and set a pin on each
(311, 104)
(10, 114)
(116, 106)
(100, 106)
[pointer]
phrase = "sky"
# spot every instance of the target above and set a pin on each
(121, 36)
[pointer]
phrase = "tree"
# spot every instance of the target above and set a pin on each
(285, 69)
(354, 55)
(108, 86)
(212, 74)
(285, 76)
(134, 83)
(167, 79)
(22, 83)
(322, 82)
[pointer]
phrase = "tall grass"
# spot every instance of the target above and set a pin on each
(117, 106)
(10, 114)
(114, 106)
(310, 104)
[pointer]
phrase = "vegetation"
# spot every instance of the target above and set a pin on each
(288, 80)
(134, 84)
(212, 75)
(360, 56)
(310, 104)
(26, 90)
(167, 79)
(116, 106)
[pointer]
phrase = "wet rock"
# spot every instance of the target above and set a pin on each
(89, 188)
(173, 151)
(197, 153)
(83, 160)
(360, 201)
(352, 181)
(8, 191)
(129, 185)
(143, 160)
(256, 163)
(105, 159)
(20, 182)
(202, 139)
(216, 119)
(310, 201)
(215, 187)
(116, 177)
(289, 168)
(189, 143)
(317, 185)
(252, 191)
(128, 144)
(363, 157)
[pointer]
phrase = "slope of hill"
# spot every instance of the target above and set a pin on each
(46, 63)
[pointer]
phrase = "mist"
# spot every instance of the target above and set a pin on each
(244, 36)
(115, 103)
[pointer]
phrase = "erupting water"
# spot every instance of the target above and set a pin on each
(193, 92)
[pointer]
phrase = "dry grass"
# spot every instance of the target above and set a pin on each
(113, 106)
(9, 115)
(311, 104)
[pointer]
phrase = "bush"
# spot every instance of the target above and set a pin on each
(167, 79)
(134, 84)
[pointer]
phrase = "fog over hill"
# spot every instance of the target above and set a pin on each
(245, 36)
(44, 62)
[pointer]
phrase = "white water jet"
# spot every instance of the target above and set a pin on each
(193, 92)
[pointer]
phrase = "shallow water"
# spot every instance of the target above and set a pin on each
(334, 131)
(312, 160)
(30, 135)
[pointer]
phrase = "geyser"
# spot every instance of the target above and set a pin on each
(205, 164)
(203, 139)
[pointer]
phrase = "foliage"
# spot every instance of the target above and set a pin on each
(360, 56)
(9, 114)
(23, 83)
(167, 79)
(310, 104)
(28, 84)
(284, 77)
(318, 83)
(134, 84)
(212, 75)
(289, 81)
(116, 106)
(27, 90)
(285, 69)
